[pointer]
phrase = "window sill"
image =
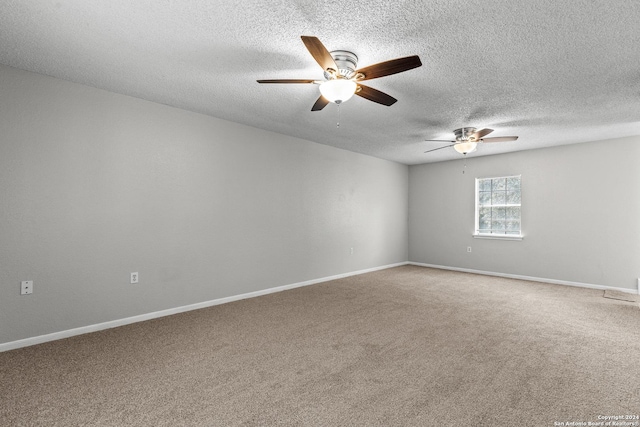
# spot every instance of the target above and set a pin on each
(499, 236)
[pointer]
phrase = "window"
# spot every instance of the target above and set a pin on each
(498, 205)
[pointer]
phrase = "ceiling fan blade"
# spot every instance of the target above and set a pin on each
(499, 139)
(438, 140)
(319, 53)
(320, 104)
(479, 134)
(387, 68)
(375, 95)
(286, 81)
(440, 148)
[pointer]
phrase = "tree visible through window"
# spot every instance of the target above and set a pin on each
(498, 204)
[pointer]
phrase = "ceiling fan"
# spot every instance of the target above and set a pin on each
(467, 139)
(342, 78)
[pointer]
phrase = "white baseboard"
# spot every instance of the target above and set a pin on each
(529, 278)
(12, 345)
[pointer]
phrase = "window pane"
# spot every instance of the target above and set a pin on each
(497, 225)
(484, 225)
(513, 183)
(513, 197)
(484, 185)
(498, 198)
(512, 213)
(498, 184)
(513, 225)
(484, 214)
(484, 198)
(498, 213)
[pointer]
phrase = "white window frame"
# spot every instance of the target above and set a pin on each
(477, 234)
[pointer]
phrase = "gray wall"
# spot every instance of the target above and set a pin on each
(580, 214)
(95, 185)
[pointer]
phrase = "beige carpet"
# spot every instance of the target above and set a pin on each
(406, 346)
(623, 296)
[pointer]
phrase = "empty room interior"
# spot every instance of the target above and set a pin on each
(312, 213)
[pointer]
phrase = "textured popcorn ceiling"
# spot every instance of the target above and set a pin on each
(551, 72)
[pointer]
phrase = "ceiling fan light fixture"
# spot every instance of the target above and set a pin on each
(338, 90)
(465, 147)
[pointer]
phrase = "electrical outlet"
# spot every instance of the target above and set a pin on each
(468, 248)
(26, 287)
(134, 277)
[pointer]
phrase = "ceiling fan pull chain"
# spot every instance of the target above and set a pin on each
(338, 124)
(465, 163)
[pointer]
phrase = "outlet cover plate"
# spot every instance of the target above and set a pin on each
(26, 287)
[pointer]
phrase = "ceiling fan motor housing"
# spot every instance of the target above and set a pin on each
(463, 134)
(347, 63)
